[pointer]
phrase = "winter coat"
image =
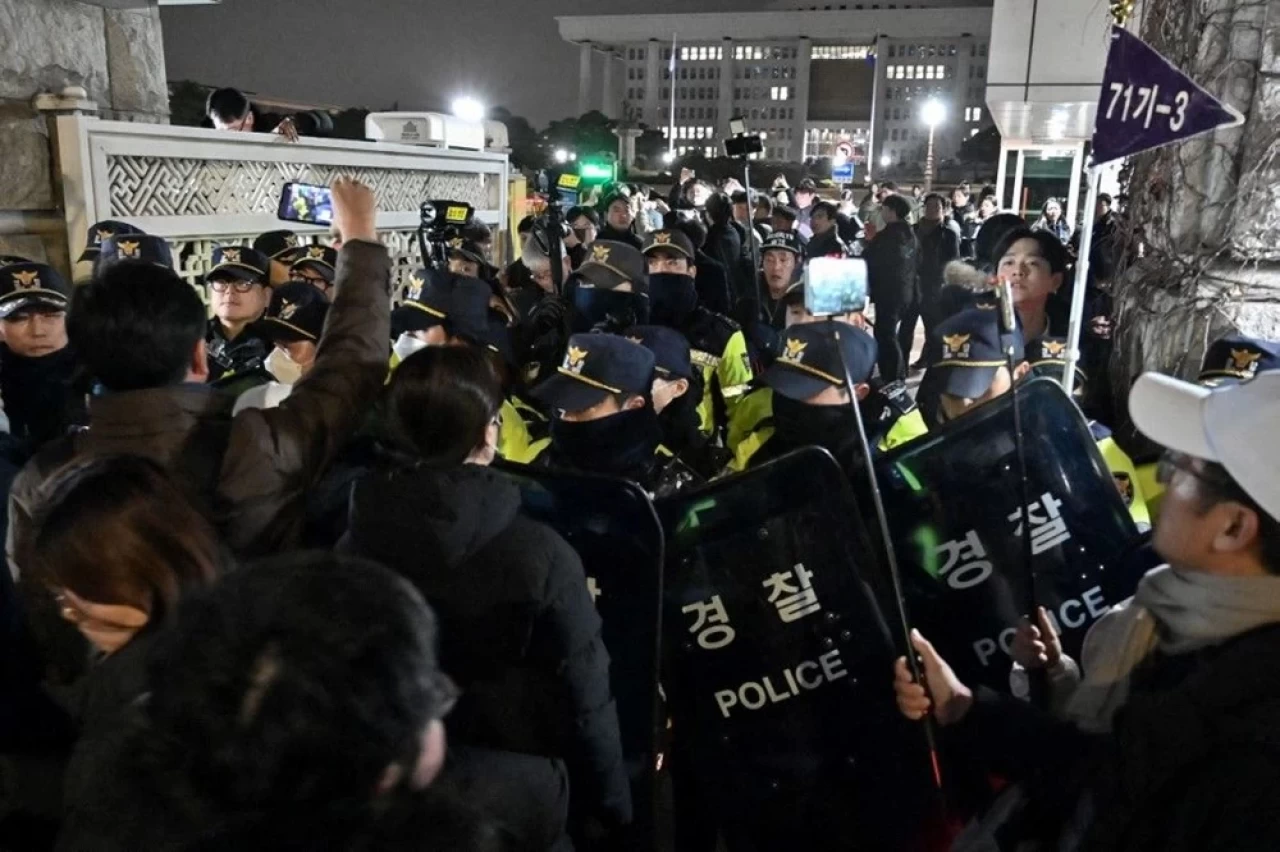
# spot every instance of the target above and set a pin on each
(520, 633)
(938, 247)
(891, 265)
(628, 236)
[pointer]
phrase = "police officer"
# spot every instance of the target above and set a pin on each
(292, 325)
(972, 368)
(450, 310)
(283, 248)
(315, 265)
(804, 400)
(100, 232)
(603, 420)
(40, 382)
(610, 290)
(143, 247)
(677, 393)
(719, 349)
(239, 293)
(781, 265)
(1047, 356)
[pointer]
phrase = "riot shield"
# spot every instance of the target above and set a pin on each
(612, 526)
(953, 503)
(777, 666)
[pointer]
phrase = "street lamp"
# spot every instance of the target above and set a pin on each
(885, 161)
(561, 155)
(932, 113)
(468, 109)
(668, 157)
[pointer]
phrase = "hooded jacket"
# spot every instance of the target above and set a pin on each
(520, 633)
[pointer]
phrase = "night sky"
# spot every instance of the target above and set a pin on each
(372, 53)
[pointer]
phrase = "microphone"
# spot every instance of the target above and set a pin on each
(1008, 316)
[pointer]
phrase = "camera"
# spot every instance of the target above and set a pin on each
(440, 222)
(742, 144)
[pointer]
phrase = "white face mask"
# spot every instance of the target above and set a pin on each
(281, 365)
(406, 344)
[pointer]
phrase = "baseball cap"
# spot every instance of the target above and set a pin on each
(783, 241)
(297, 312)
(281, 246)
(241, 263)
(810, 362)
(437, 297)
(971, 353)
(142, 247)
(1229, 425)
(1235, 358)
(670, 350)
(595, 366)
(610, 263)
(669, 239)
(322, 259)
(26, 285)
(1047, 356)
(100, 232)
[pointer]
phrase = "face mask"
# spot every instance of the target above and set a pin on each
(799, 424)
(607, 310)
(406, 344)
(672, 298)
(617, 445)
(582, 234)
(281, 365)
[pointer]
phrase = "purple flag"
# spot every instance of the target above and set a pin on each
(1147, 103)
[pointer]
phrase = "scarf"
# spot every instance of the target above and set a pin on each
(1174, 611)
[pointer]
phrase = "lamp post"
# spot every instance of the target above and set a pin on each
(468, 109)
(932, 113)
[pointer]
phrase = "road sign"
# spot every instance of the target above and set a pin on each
(1146, 102)
(842, 173)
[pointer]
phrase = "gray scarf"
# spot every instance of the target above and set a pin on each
(1176, 611)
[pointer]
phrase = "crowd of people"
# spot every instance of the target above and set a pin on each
(265, 550)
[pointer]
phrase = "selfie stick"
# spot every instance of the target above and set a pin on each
(882, 519)
(1008, 330)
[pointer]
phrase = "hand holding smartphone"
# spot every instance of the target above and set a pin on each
(306, 204)
(835, 286)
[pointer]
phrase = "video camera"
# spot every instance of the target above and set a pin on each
(440, 222)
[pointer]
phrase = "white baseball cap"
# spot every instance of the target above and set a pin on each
(1232, 425)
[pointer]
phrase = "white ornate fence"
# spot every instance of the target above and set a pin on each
(199, 188)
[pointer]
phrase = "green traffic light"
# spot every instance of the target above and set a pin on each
(591, 170)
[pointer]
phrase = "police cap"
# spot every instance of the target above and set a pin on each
(609, 264)
(1047, 356)
(142, 247)
(243, 264)
(31, 285)
(1235, 359)
(437, 298)
(669, 239)
(809, 362)
(971, 353)
(670, 350)
(281, 246)
(595, 367)
(321, 259)
(100, 232)
(467, 250)
(297, 312)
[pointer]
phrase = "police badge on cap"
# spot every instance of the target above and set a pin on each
(32, 286)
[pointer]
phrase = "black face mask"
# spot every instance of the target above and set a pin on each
(582, 234)
(619, 445)
(606, 310)
(672, 298)
(799, 424)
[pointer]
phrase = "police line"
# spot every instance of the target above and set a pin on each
(757, 603)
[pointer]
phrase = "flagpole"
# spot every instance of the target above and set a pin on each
(671, 125)
(1075, 328)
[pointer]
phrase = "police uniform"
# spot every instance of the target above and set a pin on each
(1229, 360)
(297, 313)
(610, 289)
(717, 344)
(100, 232)
(773, 314)
(971, 354)
(237, 365)
(321, 260)
(461, 306)
(809, 364)
(680, 419)
(283, 247)
(1047, 356)
(143, 248)
(627, 444)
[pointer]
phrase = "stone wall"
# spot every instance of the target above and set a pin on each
(116, 55)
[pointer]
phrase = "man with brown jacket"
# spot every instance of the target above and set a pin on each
(140, 332)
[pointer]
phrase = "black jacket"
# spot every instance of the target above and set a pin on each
(891, 265)
(1193, 763)
(44, 398)
(724, 246)
(966, 219)
(520, 633)
(247, 353)
(828, 244)
(712, 284)
(938, 247)
(608, 232)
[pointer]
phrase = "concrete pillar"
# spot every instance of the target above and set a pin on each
(653, 84)
(584, 77)
(608, 103)
(804, 56)
(724, 105)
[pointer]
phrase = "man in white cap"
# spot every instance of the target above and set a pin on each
(1171, 730)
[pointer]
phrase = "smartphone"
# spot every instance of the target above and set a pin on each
(835, 285)
(306, 203)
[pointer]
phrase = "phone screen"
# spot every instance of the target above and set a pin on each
(305, 203)
(834, 286)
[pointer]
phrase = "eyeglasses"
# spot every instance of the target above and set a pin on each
(316, 281)
(1172, 462)
(222, 285)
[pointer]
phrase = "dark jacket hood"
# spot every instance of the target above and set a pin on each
(443, 514)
